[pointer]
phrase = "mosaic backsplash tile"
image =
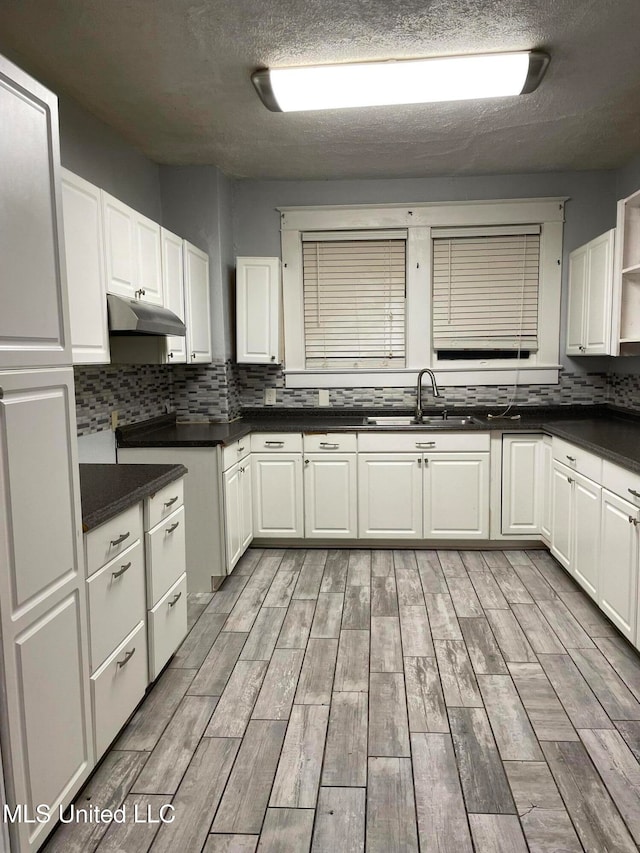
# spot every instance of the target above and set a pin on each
(220, 391)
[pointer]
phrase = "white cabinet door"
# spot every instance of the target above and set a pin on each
(258, 310)
(231, 489)
(577, 300)
(522, 486)
(330, 496)
(456, 496)
(198, 319)
(390, 495)
(149, 259)
(562, 513)
(277, 495)
(33, 297)
(173, 291)
(547, 497)
(43, 621)
(246, 505)
(619, 562)
(118, 221)
(586, 524)
(598, 308)
(84, 253)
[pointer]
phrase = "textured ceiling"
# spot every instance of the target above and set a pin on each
(173, 77)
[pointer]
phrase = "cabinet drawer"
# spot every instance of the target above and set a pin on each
(165, 550)
(277, 442)
(331, 442)
(167, 626)
(422, 442)
(621, 482)
(233, 453)
(117, 602)
(112, 538)
(118, 686)
(577, 459)
(163, 503)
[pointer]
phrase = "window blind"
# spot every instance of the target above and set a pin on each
(354, 300)
(485, 289)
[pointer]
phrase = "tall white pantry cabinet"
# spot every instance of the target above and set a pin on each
(45, 723)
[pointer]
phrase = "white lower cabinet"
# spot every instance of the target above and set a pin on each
(547, 503)
(167, 621)
(277, 495)
(619, 563)
(561, 513)
(164, 555)
(587, 501)
(522, 484)
(456, 496)
(118, 686)
(390, 495)
(330, 496)
(238, 511)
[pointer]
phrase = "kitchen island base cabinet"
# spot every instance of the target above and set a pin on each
(277, 495)
(456, 496)
(330, 496)
(390, 495)
(619, 563)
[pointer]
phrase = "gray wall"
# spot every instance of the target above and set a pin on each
(96, 152)
(590, 210)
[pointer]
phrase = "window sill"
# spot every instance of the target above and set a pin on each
(446, 376)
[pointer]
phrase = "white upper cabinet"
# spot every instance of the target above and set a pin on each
(33, 300)
(197, 305)
(258, 310)
(173, 290)
(84, 253)
(626, 311)
(132, 252)
(590, 297)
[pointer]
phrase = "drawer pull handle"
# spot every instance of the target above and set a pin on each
(274, 444)
(125, 660)
(172, 501)
(121, 570)
(173, 527)
(571, 458)
(120, 539)
(176, 598)
(425, 444)
(634, 493)
(328, 446)
(240, 449)
(569, 479)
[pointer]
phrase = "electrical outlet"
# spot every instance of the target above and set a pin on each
(323, 397)
(114, 421)
(269, 396)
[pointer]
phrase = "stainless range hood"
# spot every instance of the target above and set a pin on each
(133, 317)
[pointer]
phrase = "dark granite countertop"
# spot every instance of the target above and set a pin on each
(608, 431)
(106, 490)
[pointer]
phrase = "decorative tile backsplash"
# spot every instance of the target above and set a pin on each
(220, 391)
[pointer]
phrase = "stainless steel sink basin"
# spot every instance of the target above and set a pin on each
(427, 422)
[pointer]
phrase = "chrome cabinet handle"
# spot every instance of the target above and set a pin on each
(634, 493)
(425, 444)
(419, 462)
(569, 479)
(173, 527)
(176, 598)
(240, 449)
(172, 501)
(328, 445)
(121, 571)
(571, 458)
(120, 539)
(274, 444)
(126, 658)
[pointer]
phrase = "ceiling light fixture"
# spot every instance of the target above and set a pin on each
(368, 84)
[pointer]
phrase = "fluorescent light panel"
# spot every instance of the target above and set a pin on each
(369, 84)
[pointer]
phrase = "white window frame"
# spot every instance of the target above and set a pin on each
(540, 368)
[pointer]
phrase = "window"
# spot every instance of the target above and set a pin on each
(485, 292)
(479, 301)
(354, 299)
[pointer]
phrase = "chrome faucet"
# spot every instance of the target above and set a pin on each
(434, 386)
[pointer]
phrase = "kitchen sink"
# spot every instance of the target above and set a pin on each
(427, 422)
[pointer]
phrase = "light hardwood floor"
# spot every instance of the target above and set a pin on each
(390, 701)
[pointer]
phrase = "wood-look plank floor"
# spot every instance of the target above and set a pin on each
(375, 700)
